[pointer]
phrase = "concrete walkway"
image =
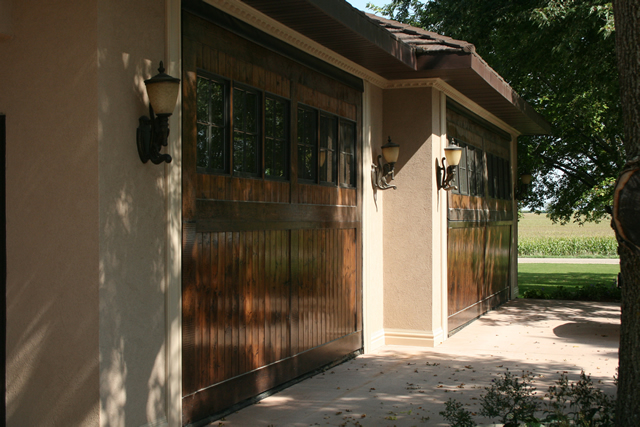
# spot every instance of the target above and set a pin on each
(568, 261)
(407, 386)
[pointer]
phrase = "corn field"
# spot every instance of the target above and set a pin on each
(567, 247)
(538, 236)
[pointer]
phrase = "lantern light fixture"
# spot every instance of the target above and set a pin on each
(525, 180)
(382, 174)
(444, 175)
(153, 131)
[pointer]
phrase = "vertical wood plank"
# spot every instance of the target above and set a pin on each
(215, 308)
(316, 289)
(262, 298)
(205, 298)
(295, 290)
(268, 297)
(236, 328)
(189, 295)
(249, 300)
(255, 261)
(273, 303)
(322, 294)
(280, 336)
(228, 327)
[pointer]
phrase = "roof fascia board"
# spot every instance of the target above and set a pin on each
(456, 96)
(473, 62)
(360, 24)
(246, 13)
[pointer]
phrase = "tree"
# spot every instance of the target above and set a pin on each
(627, 212)
(560, 57)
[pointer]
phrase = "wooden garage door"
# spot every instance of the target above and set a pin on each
(271, 218)
(480, 219)
(478, 269)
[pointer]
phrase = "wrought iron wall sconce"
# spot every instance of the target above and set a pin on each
(153, 131)
(381, 172)
(525, 179)
(444, 176)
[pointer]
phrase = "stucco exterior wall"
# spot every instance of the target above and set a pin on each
(408, 227)
(132, 210)
(86, 220)
(48, 87)
(372, 222)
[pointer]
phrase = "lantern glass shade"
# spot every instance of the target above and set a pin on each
(526, 178)
(453, 154)
(390, 153)
(163, 95)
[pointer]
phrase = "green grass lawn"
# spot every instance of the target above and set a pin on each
(547, 277)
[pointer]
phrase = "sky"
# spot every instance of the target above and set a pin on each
(360, 4)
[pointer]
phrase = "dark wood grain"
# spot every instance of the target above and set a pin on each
(478, 269)
(272, 284)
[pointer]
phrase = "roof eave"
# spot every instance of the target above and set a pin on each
(360, 39)
(469, 74)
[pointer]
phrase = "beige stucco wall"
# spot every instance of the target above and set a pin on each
(86, 220)
(132, 209)
(48, 90)
(6, 31)
(413, 258)
(372, 222)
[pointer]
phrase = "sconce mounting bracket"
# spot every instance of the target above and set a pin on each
(151, 135)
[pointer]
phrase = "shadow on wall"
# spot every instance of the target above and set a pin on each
(132, 255)
(86, 223)
(64, 338)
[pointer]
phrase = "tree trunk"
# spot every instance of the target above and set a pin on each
(626, 212)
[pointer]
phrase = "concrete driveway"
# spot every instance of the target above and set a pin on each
(407, 386)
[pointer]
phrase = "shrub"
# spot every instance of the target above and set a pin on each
(596, 292)
(579, 404)
(513, 401)
(535, 294)
(455, 414)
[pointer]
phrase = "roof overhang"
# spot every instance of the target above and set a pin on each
(350, 33)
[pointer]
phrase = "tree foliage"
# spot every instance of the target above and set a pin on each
(559, 55)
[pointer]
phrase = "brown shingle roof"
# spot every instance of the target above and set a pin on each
(422, 40)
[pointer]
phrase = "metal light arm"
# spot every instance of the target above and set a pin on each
(380, 173)
(445, 176)
(153, 133)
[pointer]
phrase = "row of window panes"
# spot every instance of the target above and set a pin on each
(317, 151)
(469, 174)
(213, 123)
(499, 177)
(334, 144)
